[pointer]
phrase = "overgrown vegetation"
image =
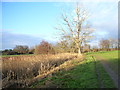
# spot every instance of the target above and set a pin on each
(27, 67)
(44, 48)
(62, 65)
(82, 75)
(111, 57)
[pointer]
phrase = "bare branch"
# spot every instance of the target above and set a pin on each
(73, 28)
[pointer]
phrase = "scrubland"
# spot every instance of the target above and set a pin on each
(18, 70)
(63, 70)
(83, 72)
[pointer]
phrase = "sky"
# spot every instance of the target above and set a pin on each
(27, 23)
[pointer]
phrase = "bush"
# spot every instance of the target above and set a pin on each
(21, 49)
(44, 48)
(8, 52)
(31, 51)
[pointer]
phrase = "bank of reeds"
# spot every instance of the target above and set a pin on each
(24, 67)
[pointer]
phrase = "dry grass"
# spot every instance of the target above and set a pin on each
(22, 68)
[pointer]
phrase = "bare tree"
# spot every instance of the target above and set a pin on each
(44, 48)
(75, 28)
(31, 50)
(113, 43)
(105, 44)
(20, 49)
(86, 48)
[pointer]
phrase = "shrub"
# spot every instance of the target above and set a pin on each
(44, 48)
(8, 52)
(21, 49)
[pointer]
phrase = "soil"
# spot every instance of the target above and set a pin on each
(111, 73)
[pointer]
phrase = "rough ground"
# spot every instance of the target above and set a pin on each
(79, 76)
(111, 73)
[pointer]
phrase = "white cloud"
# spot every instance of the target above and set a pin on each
(104, 18)
(94, 43)
(10, 40)
(19, 43)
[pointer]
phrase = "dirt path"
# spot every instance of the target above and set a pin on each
(111, 73)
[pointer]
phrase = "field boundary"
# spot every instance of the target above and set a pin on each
(38, 77)
(54, 70)
(110, 72)
(98, 73)
(63, 80)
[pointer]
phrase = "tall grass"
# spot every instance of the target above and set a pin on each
(78, 73)
(27, 67)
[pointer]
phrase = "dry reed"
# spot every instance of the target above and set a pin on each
(21, 68)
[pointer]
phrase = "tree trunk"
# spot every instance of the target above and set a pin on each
(79, 51)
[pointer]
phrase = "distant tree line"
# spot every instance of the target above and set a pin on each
(62, 47)
(19, 49)
(43, 48)
(104, 45)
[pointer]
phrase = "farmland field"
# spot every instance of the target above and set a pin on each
(71, 44)
(22, 69)
(88, 73)
(111, 57)
(16, 55)
(59, 71)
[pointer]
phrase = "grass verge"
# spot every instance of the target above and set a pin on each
(111, 57)
(82, 75)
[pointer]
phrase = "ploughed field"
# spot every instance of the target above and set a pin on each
(19, 71)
